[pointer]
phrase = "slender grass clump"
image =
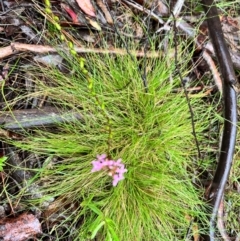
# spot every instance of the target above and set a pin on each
(152, 135)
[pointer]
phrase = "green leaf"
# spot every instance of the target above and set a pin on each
(2, 162)
(109, 237)
(94, 233)
(95, 209)
(114, 236)
(111, 230)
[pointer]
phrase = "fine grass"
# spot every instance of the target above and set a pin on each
(151, 133)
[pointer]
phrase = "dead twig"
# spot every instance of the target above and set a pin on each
(33, 118)
(43, 49)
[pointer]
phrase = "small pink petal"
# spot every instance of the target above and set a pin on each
(97, 166)
(119, 160)
(115, 182)
(110, 162)
(101, 157)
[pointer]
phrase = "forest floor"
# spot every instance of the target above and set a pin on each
(111, 118)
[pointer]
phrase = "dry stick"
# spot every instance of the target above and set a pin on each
(20, 47)
(216, 190)
(33, 118)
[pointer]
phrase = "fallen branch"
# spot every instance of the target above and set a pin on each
(33, 118)
(216, 190)
(43, 49)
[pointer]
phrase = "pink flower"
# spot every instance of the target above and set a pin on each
(115, 169)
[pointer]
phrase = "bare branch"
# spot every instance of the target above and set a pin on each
(43, 49)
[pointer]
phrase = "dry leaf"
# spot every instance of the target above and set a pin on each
(162, 9)
(94, 24)
(72, 14)
(105, 11)
(87, 7)
(49, 60)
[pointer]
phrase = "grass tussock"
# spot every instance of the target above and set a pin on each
(151, 133)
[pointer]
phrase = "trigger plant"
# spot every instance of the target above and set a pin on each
(142, 187)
